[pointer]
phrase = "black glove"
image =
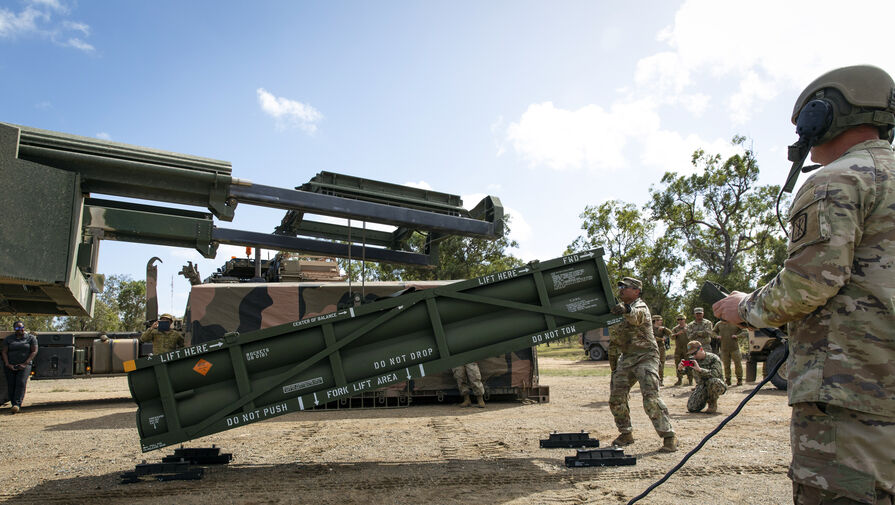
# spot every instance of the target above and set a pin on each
(622, 308)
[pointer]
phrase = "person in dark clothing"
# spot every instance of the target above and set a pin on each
(19, 350)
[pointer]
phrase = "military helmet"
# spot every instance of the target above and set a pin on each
(844, 98)
(166, 316)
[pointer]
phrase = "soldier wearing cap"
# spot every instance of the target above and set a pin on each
(836, 291)
(709, 378)
(638, 362)
(679, 333)
(730, 335)
(663, 337)
(700, 329)
(164, 338)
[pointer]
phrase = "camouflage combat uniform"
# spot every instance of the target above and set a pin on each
(700, 332)
(709, 383)
(162, 341)
(730, 348)
(837, 292)
(639, 361)
(680, 350)
(662, 335)
(469, 377)
(613, 352)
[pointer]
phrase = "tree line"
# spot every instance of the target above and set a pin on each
(717, 224)
(120, 307)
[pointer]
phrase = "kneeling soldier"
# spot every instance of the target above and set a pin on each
(709, 375)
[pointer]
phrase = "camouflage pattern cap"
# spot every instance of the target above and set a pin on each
(698, 310)
(692, 347)
(657, 317)
(681, 316)
(166, 316)
(631, 282)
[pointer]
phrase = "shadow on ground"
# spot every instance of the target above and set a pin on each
(453, 481)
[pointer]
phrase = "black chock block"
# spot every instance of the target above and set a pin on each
(600, 457)
(199, 456)
(569, 441)
(191, 474)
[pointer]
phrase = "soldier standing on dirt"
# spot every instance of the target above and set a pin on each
(680, 348)
(836, 291)
(662, 335)
(18, 352)
(469, 377)
(164, 338)
(730, 349)
(707, 369)
(700, 329)
(638, 362)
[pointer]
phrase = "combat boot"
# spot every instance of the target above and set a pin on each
(669, 444)
(678, 383)
(480, 402)
(712, 408)
(689, 381)
(727, 380)
(466, 401)
(15, 409)
(739, 381)
(623, 440)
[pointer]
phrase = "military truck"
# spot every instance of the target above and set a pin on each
(596, 343)
(767, 346)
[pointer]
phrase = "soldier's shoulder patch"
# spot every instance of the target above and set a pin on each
(799, 227)
(808, 223)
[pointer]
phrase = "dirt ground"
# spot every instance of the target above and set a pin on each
(74, 438)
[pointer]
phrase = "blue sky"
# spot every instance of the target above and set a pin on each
(550, 106)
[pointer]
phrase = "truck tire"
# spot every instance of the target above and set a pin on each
(780, 378)
(596, 353)
(751, 370)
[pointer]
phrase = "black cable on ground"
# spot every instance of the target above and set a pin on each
(715, 431)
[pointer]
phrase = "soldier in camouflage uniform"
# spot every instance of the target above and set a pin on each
(164, 338)
(679, 333)
(730, 349)
(837, 292)
(469, 377)
(709, 385)
(613, 352)
(639, 362)
(663, 336)
(700, 329)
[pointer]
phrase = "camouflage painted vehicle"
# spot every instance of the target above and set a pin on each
(596, 343)
(767, 346)
(217, 308)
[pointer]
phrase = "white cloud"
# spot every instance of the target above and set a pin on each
(766, 47)
(753, 53)
(37, 19)
(590, 137)
(289, 112)
(419, 185)
(103, 136)
(79, 44)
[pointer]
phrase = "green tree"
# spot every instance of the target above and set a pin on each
(32, 323)
(725, 219)
(132, 304)
(120, 307)
(634, 249)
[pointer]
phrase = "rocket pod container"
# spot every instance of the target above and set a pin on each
(244, 378)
